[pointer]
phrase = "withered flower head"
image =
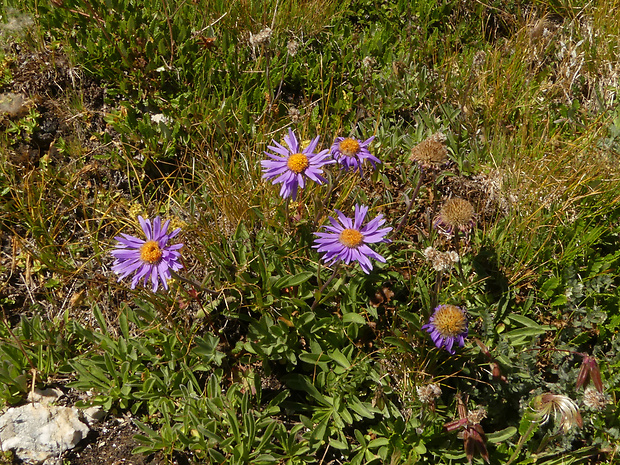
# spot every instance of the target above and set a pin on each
(431, 153)
(455, 214)
(561, 407)
(292, 47)
(589, 372)
(476, 416)
(475, 441)
(263, 37)
(472, 433)
(594, 399)
(441, 261)
(428, 393)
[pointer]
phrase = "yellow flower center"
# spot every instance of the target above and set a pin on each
(450, 321)
(150, 252)
(297, 163)
(349, 147)
(351, 238)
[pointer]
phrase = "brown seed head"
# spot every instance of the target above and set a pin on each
(456, 214)
(431, 152)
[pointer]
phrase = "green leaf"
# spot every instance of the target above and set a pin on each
(100, 319)
(398, 342)
(525, 332)
(559, 301)
(548, 287)
(503, 435)
(336, 444)
(267, 435)
(314, 359)
(295, 280)
(340, 359)
(353, 318)
(359, 408)
(525, 321)
(379, 442)
(301, 383)
(409, 317)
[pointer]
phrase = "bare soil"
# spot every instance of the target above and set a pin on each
(112, 442)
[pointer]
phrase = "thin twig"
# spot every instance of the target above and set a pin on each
(194, 34)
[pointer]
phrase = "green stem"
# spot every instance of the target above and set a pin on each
(522, 441)
(409, 207)
(196, 285)
(324, 286)
(458, 252)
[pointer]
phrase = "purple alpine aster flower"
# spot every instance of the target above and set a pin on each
(447, 325)
(351, 153)
(349, 241)
(290, 166)
(149, 259)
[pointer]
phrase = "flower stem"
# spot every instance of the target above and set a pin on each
(458, 252)
(324, 286)
(200, 287)
(409, 207)
(332, 183)
(522, 441)
(437, 288)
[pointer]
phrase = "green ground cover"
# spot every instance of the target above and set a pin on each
(260, 351)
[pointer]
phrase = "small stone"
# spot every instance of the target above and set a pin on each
(45, 396)
(39, 433)
(93, 415)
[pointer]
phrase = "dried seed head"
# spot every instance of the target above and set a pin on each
(368, 62)
(594, 399)
(479, 60)
(432, 152)
(292, 47)
(294, 114)
(428, 393)
(456, 214)
(263, 37)
(441, 261)
(559, 406)
(476, 416)
(14, 105)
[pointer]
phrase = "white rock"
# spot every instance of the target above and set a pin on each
(93, 414)
(39, 434)
(45, 396)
